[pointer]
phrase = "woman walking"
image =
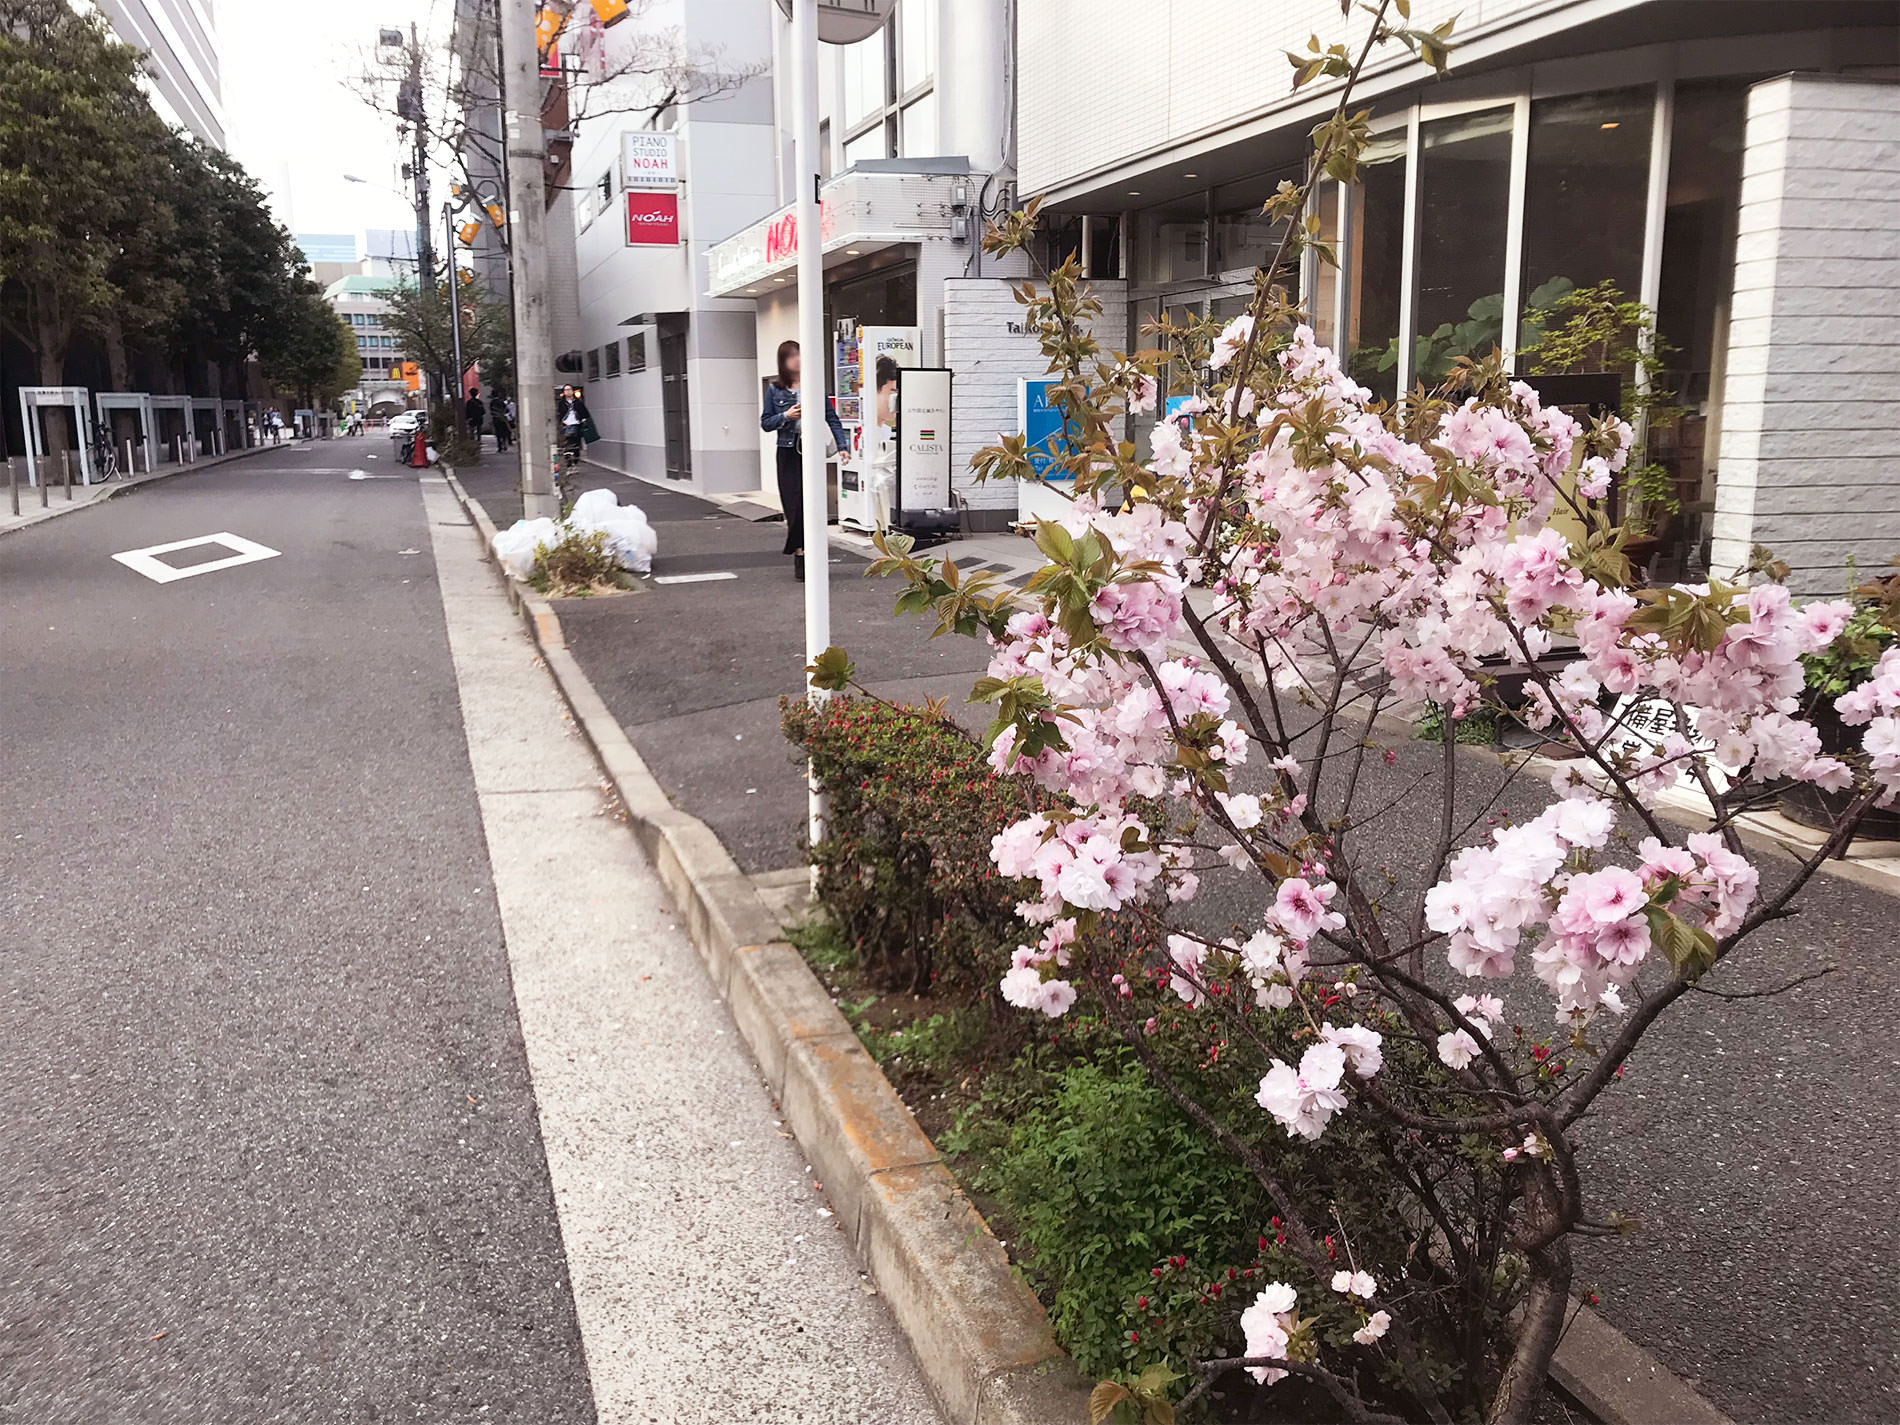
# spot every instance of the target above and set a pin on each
(785, 414)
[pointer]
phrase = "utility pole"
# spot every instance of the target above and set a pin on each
(410, 106)
(812, 360)
(527, 244)
(455, 309)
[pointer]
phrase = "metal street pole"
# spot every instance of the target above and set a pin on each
(455, 309)
(527, 242)
(812, 363)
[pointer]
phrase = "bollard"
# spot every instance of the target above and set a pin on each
(13, 485)
(66, 472)
(128, 460)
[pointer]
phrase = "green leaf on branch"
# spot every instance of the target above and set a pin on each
(1690, 949)
(832, 670)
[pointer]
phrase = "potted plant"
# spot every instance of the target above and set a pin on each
(1844, 665)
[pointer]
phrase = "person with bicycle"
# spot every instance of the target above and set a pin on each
(576, 425)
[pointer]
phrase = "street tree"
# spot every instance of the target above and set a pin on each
(419, 320)
(308, 351)
(75, 133)
(1202, 680)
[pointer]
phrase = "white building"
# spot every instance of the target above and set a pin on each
(1732, 165)
(181, 39)
(917, 140)
(666, 367)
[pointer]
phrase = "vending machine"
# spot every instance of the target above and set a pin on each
(866, 363)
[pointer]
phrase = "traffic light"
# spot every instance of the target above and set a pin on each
(610, 12)
(466, 232)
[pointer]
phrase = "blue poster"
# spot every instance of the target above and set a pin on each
(1043, 426)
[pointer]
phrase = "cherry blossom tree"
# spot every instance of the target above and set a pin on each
(1290, 565)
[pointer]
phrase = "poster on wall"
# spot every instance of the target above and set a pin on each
(1040, 420)
(882, 353)
(653, 219)
(923, 440)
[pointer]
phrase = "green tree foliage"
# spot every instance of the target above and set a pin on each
(419, 320)
(113, 224)
(308, 351)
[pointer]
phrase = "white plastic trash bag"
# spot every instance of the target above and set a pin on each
(630, 539)
(515, 546)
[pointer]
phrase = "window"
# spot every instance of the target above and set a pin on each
(361, 342)
(919, 128)
(1375, 266)
(1463, 218)
(870, 144)
(593, 363)
(1244, 236)
(1585, 194)
(1172, 242)
(611, 358)
(917, 47)
(637, 352)
(824, 150)
(866, 78)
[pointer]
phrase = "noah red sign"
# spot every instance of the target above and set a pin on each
(653, 219)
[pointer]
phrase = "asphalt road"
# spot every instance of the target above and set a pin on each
(271, 1147)
(1752, 1141)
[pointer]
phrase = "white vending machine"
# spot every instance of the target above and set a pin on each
(865, 369)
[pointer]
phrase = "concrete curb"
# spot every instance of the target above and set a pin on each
(116, 488)
(980, 1337)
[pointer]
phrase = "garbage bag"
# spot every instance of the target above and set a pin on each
(515, 546)
(630, 539)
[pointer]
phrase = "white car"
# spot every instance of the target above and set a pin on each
(404, 421)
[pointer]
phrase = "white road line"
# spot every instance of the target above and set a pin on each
(144, 561)
(695, 578)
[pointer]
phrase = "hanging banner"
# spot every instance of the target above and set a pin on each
(653, 219)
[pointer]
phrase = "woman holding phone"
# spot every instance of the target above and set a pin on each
(784, 413)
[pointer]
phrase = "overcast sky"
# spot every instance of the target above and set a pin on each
(290, 121)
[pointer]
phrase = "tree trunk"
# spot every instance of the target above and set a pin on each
(53, 341)
(1539, 1331)
(116, 364)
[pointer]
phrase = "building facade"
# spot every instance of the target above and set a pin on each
(1732, 166)
(181, 39)
(917, 140)
(362, 301)
(667, 364)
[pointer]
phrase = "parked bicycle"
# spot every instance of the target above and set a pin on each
(567, 473)
(105, 456)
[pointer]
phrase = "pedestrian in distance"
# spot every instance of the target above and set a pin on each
(498, 417)
(575, 421)
(473, 411)
(784, 413)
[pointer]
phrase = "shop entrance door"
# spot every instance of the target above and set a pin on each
(679, 445)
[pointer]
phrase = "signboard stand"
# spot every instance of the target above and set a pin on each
(923, 500)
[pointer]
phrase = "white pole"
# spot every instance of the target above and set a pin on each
(811, 346)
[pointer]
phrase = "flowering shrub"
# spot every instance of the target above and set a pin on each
(1193, 684)
(904, 868)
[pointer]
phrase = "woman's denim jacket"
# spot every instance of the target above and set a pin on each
(778, 401)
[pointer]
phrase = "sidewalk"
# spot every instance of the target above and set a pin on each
(85, 496)
(1755, 1168)
(711, 1281)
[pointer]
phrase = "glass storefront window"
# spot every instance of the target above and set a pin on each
(1171, 243)
(870, 144)
(1463, 219)
(1244, 236)
(918, 128)
(864, 77)
(1322, 302)
(1585, 193)
(917, 51)
(1374, 266)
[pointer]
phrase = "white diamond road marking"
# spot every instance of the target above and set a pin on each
(694, 578)
(144, 561)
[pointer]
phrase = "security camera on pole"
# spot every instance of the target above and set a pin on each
(838, 23)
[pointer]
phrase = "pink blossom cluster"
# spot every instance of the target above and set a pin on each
(1875, 705)
(1081, 864)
